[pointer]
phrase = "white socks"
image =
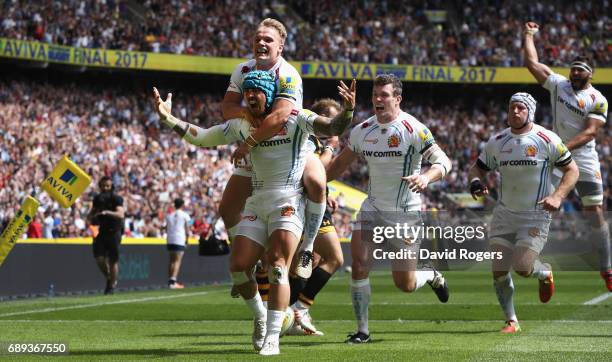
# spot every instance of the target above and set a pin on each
(423, 276)
(504, 288)
(314, 216)
(360, 292)
(256, 305)
(274, 324)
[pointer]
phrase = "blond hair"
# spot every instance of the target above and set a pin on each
(275, 24)
(323, 106)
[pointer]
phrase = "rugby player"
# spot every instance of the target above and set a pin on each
(273, 217)
(525, 155)
(268, 44)
(393, 144)
(579, 112)
(326, 244)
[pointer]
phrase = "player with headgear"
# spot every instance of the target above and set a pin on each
(273, 218)
(524, 154)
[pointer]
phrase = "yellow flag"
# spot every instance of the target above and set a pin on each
(66, 182)
(17, 226)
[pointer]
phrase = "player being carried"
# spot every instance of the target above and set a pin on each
(273, 218)
(393, 144)
(268, 43)
(525, 155)
(579, 112)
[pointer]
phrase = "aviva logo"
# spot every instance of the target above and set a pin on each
(68, 177)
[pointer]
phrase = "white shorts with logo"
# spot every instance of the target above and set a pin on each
(589, 185)
(370, 218)
(270, 210)
(519, 228)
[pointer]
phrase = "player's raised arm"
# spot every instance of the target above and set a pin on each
(539, 71)
(324, 126)
(191, 133)
(231, 107)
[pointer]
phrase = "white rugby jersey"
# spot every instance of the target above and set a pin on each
(278, 162)
(288, 80)
(175, 227)
(392, 150)
(571, 110)
(525, 163)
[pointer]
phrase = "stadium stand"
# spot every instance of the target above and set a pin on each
(151, 166)
(425, 32)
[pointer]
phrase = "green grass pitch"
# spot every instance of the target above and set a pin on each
(204, 323)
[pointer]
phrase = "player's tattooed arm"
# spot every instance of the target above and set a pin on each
(539, 71)
(324, 126)
(191, 133)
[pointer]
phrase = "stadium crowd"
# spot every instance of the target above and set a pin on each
(467, 33)
(114, 131)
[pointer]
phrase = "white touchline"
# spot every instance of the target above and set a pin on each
(598, 299)
(242, 321)
(125, 301)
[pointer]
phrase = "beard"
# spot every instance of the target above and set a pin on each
(578, 83)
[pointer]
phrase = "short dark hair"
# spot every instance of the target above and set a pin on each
(178, 203)
(104, 179)
(323, 106)
(384, 79)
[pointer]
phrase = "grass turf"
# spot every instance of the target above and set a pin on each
(206, 324)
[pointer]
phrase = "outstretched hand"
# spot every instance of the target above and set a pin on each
(163, 108)
(348, 94)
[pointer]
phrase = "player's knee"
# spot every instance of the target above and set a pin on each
(278, 274)
(406, 286)
(522, 268)
(335, 262)
(315, 182)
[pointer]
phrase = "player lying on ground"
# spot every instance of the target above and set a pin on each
(525, 155)
(272, 221)
(393, 144)
(579, 113)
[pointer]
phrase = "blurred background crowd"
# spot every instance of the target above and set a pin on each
(453, 32)
(110, 128)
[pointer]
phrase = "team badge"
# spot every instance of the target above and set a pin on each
(245, 69)
(393, 141)
(531, 151)
(534, 232)
(598, 175)
(287, 211)
(581, 103)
